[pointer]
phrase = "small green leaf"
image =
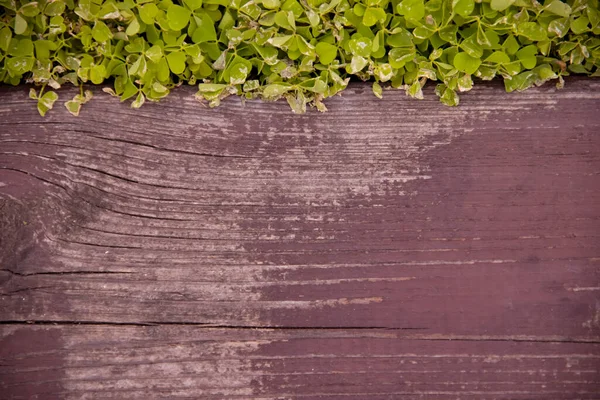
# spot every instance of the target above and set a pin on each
(377, 90)
(415, 90)
(510, 45)
(465, 63)
(46, 102)
(176, 62)
(285, 19)
(73, 107)
(357, 64)
(374, 15)
(361, 46)
(139, 67)
(210, 87)
(19, 65)
(471, 47)
(498, 57)
(275, 90)
(239, 71)
(532, 31)
(154, 53)
(5, 37)
(463, 8)
(280, 41)
(501, 5)
(205, 29)
(100, 32)
(559, 8)
(271, 4)
(54, 8)
(20, 25)
(147, 13)
(399, 56)
(43, 48)
(527, 56)
(139, 101)
(133, 27)
(193, 4)
(178, 17)
(30, 9)
(97, 74)
(560, 27)
(412, 9)
(580, 25)
(326, 52)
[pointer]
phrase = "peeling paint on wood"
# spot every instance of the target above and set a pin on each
(385, 249)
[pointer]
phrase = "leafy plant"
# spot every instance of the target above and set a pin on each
(301, 50)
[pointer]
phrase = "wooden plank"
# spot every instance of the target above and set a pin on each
(108, 362)
(384, 232)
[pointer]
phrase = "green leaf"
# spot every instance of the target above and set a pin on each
(374, 15)
(193, 4)
(133, 27)
(326, 52)
(286, 20)
(19, 65)
(100, 32)
(377, 90)
(357, 64)
(560, 26)
(30, 9)
(532, 31)
(23, 47)
(97, 74)
(559, 8)
(280, 41)
(527, 56)
(20, 25)
(271, 4)
(239, 70)
(176, 62)
(361, 46)
(154, 53)
(415, 90)
(400, 39)
(399, 56)
(147, 13)
(463, 8)
(412, 9)
(43, 49)
(54, 8)
(178, 17)
(580, 25)
(498, 57)
(510, 45)
(73, 107)
(501, 5)
(5, 37)
(163, 72)
(465, 63)
(210, 87)
(471, 47)
(527, 79)
(205, 29)
(46, 102)
(276, 90)
(139, 100)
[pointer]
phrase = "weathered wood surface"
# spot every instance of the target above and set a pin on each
(385, 249)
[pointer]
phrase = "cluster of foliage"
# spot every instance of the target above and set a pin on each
(302, 50)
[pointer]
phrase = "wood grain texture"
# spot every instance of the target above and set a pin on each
(107, 362)
(386, 249)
